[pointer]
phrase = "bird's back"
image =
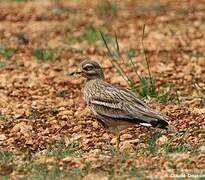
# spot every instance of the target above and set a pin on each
(117, 104)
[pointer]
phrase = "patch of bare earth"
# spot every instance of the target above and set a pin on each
(45, 127)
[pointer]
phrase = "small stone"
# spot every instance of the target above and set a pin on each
(29, 142)
(2, 137)
(64, 117)
(22, 127)
(199, 111)
(202, 149)
(125, 137)
(162, 140)
(106, 136)
(134, 141)
(67, 159)
(61, 109)
(95, 124)
(113, 141)
(126, 145)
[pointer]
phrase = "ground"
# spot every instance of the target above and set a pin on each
(46, 131)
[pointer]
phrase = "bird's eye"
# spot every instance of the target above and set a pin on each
(88, 68)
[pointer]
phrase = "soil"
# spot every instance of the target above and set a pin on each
(41, 105)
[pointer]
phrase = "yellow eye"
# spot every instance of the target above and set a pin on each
(88, 68)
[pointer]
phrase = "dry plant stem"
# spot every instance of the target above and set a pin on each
(113, 61)
(131, 83)
(198, 89)
(118, 141)
(145, 55)
(135, 69)
(117, 44)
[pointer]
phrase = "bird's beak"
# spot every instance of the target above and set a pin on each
(78, 71)
(75, 73)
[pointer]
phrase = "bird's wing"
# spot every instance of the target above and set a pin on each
(118, 103)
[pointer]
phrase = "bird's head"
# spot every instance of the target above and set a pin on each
(90, 70)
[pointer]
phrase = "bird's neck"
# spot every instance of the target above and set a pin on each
(95, 78)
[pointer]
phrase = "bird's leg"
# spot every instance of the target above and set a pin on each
(118, 140)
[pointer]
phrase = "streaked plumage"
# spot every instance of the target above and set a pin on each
(116, 108)
(111, 103)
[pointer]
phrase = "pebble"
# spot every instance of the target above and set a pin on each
(125, 137)
(126, 145)
(162, 140)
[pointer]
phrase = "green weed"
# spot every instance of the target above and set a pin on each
(4, 177)
(69, 39)
(2, 64)
(4, 117)
(184, 11)
(134, 172)
(6, 156)
(39, 167)
(89, 34)
(132, 53)
(147, 85)
(41, 171)
(155, 7)
(62, 93)
(153, 148)
(7, 52)
(180, 148)
(46, 55)
(77, 171)
(200, 92)
(59, 9)
(60, 150)
(167, 93)
(34, 115)
(21, 0)
(18, 1)
(108, 8)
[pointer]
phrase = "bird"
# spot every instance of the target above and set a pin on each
(116, 108)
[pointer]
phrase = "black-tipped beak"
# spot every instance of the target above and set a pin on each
(75, 73)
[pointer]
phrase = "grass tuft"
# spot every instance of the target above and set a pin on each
(34, 115)
(7, 52)
(2, 64)
(154, 7)
(42, 171)
(108, 8)
(147, 85)
(4, 117)
(134, 172)
(200, 92)
(62, 93)
(46, 55)
(132, 53)
(90, 34)
(6, 156)
(60, 150)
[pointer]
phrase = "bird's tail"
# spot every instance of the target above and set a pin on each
(160, 123)
(163, 124)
